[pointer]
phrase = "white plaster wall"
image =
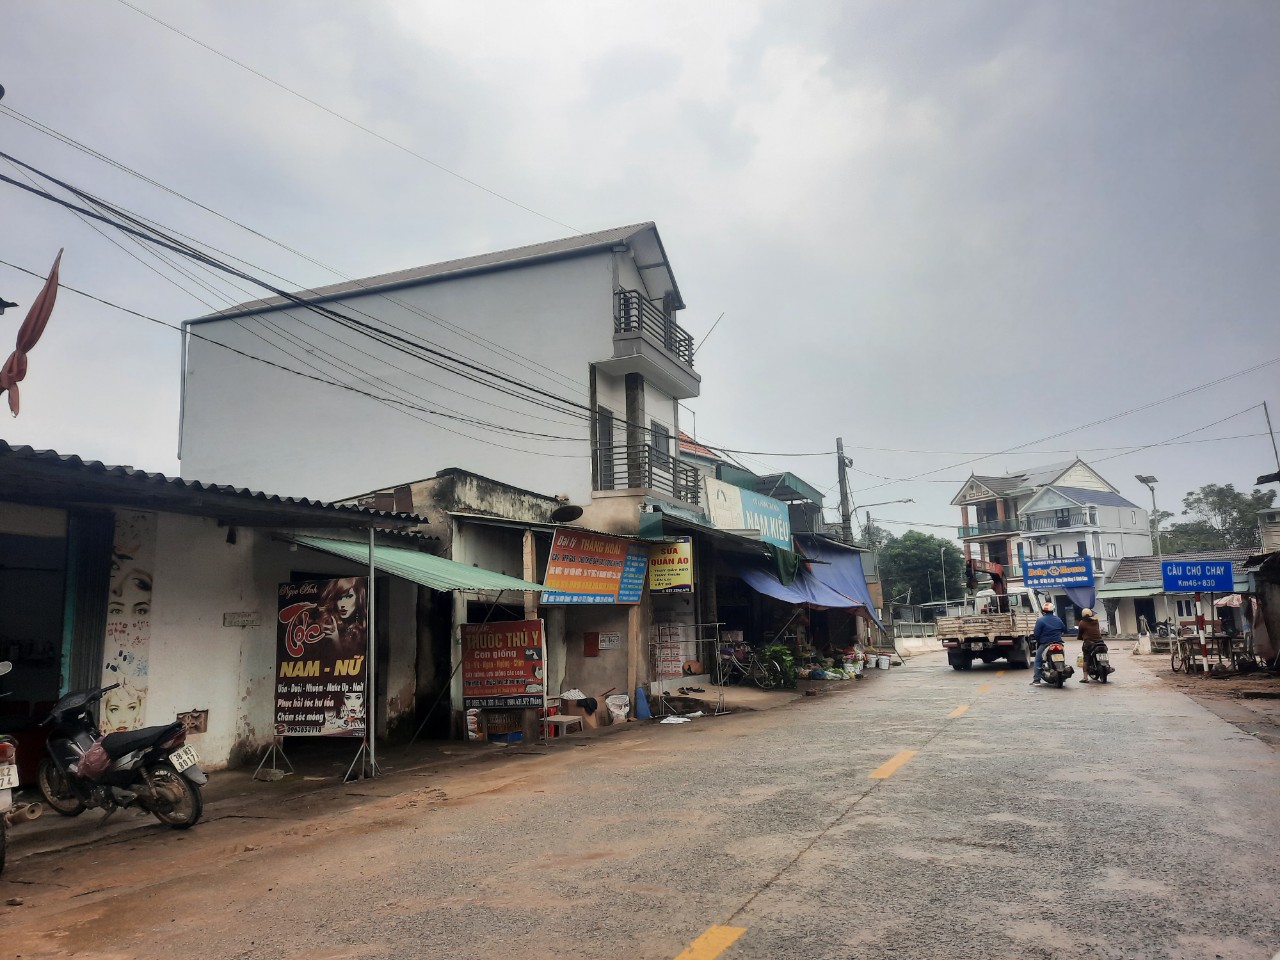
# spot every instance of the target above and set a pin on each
(1082, 477)
(197, 663)
(492, 548)
(252, 425)
(611, 392)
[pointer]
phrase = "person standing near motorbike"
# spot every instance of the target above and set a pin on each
(1090, 632)
(1049, 629)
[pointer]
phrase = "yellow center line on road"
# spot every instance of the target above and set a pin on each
(999, 673)
(715, 941)
(984, 688)
(957, 711)
(890, 767)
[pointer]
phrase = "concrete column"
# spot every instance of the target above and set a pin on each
(458, 722)
(530, 573)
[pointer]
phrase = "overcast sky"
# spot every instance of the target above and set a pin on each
(954, 228)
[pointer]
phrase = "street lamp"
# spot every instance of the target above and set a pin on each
(1150, 483)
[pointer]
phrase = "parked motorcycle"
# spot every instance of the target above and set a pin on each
(1054, 669)
(153, 768)
(9, 814)
(1097, 662)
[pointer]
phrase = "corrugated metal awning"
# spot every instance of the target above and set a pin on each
(434, 572)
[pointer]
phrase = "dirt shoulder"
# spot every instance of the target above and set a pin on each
(1250, 702)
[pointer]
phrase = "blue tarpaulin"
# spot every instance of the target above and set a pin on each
(840, 569)
(835, 580)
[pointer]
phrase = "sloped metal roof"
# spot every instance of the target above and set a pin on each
(1148, 568)
(1095, 498)
(424, 568)
(651, 259)
(47, 478)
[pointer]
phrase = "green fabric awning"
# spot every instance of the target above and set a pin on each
(1128, 590)
(434, 572)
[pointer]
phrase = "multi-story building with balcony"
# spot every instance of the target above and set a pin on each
(1061, 510)
(556, 367)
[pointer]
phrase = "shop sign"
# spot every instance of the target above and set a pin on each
(1057, 572)
(1214, 576)
(733, 508)
(594, 568)
(322, 646)
(671, 566)
(502, 664)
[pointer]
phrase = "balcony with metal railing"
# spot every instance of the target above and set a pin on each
(648, 341)
(1059, 521)
(988, 528)
(646, 468)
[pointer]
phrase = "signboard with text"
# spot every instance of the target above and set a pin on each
(322, 646)
(589, 567)
(671, 566)
(1057, 572)
(1194, 576)
(733, 508)
(503, 664)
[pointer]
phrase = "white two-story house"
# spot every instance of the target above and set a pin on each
(1061, 510)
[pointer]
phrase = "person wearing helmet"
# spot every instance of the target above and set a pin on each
(1090, 633)
(1048, 630)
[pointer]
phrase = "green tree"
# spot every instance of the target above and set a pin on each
(914, 562)
(1233, 513)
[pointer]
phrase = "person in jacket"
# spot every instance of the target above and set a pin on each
(1090, 632)
(1048, 630)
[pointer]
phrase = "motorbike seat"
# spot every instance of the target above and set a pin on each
(119, 744)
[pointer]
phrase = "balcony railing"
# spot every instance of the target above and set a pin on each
(645, 468)
(992, 526)
(1077, 518)
(637, 314)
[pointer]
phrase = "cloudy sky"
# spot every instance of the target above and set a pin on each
(936, 230)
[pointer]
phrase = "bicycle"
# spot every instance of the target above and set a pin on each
(765, 674)
(1180, 656)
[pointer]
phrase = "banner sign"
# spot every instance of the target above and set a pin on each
(502, 664)
(1057, 572)
(322, 646)
(671, 566)
(1183, 576)
(733, 508)
(594, 568)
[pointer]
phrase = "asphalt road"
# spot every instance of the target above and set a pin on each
(922, 813)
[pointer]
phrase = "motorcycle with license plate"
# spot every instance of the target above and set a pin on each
(1055, 669)
(153, 768)
(9, 814)
(1097, 662)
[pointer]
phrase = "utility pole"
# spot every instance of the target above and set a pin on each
(1267, 413)
(846, 515)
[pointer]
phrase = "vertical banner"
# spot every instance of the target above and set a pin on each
(503, 664)
(127, 650)
(322, 645)
(671, 566)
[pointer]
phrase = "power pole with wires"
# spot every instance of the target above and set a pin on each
(846, 513)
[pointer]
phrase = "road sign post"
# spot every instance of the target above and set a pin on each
(1195, 576)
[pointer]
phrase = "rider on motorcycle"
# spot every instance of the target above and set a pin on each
(1048, 630)
(1090, 632)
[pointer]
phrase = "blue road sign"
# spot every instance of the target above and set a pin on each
(1191, 576)
(1057, 572)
